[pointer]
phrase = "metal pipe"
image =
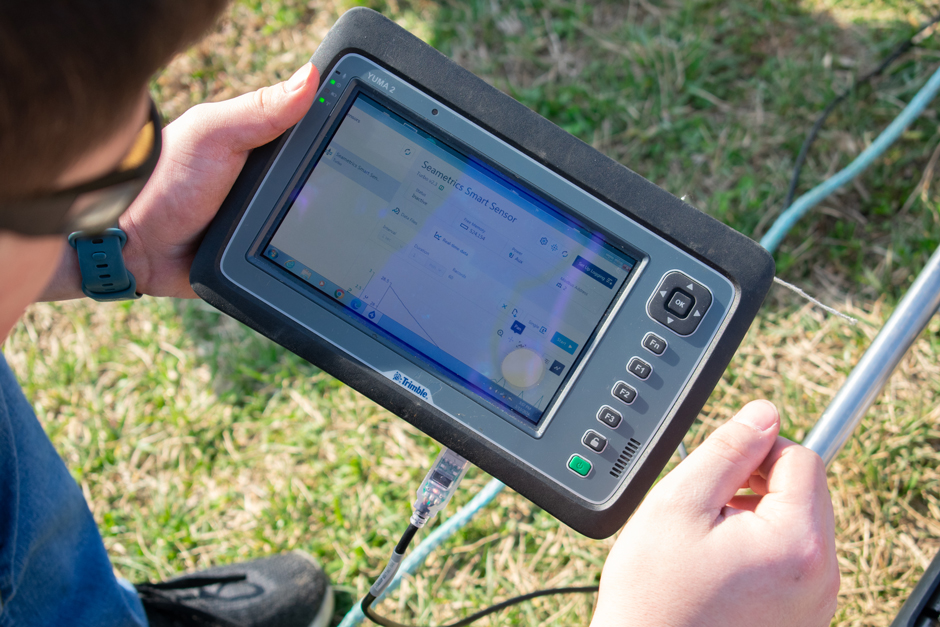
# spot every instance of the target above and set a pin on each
(869, 377)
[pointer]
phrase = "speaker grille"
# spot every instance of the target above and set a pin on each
(624, 460)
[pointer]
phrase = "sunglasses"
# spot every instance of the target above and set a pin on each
(96, 205)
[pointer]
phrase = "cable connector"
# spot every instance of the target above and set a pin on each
(438, 486)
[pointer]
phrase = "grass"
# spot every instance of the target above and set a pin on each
(197, 442)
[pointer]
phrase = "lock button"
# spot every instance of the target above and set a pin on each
(594, 441)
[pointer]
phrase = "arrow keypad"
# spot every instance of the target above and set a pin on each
(679, 303)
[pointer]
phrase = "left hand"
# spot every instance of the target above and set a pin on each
(203, 152)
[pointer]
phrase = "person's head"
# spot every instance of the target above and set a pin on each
(73, 83)
(74, 71)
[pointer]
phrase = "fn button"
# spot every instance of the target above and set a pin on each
(654, 344)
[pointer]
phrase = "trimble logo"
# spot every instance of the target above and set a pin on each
(411, 386)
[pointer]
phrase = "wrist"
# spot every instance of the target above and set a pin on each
(161, 269)
(134, 258)
(66, 283)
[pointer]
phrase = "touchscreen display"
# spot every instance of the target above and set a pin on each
(458, 264)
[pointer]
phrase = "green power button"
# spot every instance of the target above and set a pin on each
(579, 465)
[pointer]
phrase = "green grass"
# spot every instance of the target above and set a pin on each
(198, 443)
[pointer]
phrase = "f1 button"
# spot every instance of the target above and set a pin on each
(639, 368)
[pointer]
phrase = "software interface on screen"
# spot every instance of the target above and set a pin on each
(466, 269)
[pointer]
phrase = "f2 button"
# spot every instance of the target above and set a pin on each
(624, 392)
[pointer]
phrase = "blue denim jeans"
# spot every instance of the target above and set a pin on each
(53, 566)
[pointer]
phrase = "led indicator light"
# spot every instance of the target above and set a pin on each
(322, 99)
(332, 81)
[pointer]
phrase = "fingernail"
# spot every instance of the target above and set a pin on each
(760, 415)
(299, 78)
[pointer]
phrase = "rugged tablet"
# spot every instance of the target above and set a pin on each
(531, 304)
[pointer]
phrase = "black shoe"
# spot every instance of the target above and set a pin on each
(286, 590)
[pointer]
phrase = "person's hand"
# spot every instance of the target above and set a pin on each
(203, 152)
(695, 554)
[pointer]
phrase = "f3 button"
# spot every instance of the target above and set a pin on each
(609, 416)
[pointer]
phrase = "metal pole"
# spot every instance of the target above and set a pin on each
(875, 367)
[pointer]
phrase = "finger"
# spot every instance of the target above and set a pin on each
(798, 500)
(259, 117)
(758, 484)
(747, 502)
(712, 474)
(795, 477)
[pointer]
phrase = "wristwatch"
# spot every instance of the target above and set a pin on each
(105, 278)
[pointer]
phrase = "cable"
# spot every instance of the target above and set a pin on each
(385, 622)
(406, 538)
(814, 131)
(441, 534)
(435, 492)
(810, 199)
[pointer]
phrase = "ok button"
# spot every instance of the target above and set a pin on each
(680, 303)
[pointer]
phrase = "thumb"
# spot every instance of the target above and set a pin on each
(256, 118)
(718, 468)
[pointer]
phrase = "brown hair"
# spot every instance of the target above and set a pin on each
(71, 72)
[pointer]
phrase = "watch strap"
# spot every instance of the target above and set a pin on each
(101, 263)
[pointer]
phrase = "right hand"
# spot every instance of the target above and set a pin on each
(696, 555)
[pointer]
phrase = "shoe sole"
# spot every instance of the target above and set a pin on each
(325, 613)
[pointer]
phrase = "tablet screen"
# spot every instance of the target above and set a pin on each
(454, 262)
